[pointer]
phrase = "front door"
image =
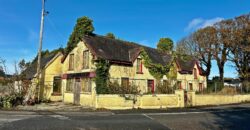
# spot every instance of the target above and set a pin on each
(77, 91)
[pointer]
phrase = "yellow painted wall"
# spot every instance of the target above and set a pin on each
(68, 98)
(113, 102)
(117, 72)
(78, 60)
(189, 78)
(158, 101)
(201, 100)
(52, 69)
(86, 100)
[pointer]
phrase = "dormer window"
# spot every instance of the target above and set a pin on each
(139, 66)
(195, 73)
(85, 59)
(71, 62)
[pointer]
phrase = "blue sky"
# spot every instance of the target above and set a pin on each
(142, 21)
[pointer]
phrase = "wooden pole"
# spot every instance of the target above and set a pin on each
(40, 51)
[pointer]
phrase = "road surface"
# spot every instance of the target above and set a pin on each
(224, 117)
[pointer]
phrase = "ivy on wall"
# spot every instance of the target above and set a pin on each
(102, 76)
(156, 70)
(172, 74)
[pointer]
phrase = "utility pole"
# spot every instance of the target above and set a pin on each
(40, 50)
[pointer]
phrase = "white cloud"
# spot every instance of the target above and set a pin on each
(202, 23)
(194, 23)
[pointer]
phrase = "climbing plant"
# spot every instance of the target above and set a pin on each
(102, 76)
(155, 69)
(84, 26)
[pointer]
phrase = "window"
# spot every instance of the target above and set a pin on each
(151, 86)
(86, 85)
(71, 61)
(125, 82)
(200, 87)
(85, 59)
(195, 73)
(69, 85)
(139, 66)
(179, 84)
(57, 85)
(190, 86)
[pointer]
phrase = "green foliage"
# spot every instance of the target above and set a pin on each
(156, 70)
(172, 74)
(166, 88)
(102, 76)
(165, 45)
(110, 35)
(9, 101)
(84, 26)
(116, 88)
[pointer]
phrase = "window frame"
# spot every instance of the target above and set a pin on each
(126, 79)
(85, 64)
(200, 87)
(70, 85)
(179, 85)
(59, 89)
(190, 86)
(86, 82)
(139, 66)
(71, 62)
(195, 73)
(151, 87)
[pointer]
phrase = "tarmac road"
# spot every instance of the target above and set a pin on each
(223, 117)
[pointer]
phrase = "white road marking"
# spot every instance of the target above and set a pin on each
(60, 117)
(148, 117)
(175, 113)
(11, 118)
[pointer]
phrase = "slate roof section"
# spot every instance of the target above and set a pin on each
(30, 72)
(187, 66)
(122, 51)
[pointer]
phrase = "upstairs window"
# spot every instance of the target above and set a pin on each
(139, 66)
(85, 59)
(71, 61)
(195, 73)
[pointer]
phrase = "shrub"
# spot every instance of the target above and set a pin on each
(9, 101)
(116, 88)
(228, 90)
(166, 88)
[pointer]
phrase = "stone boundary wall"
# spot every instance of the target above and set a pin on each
(157, 101)
(205, 100)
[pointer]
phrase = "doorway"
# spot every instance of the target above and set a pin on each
(77, 91)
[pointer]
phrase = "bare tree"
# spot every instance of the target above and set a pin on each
(200, 44)
(240, 46)
(224, 39)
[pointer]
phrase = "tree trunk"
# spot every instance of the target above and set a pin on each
(221, 72)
